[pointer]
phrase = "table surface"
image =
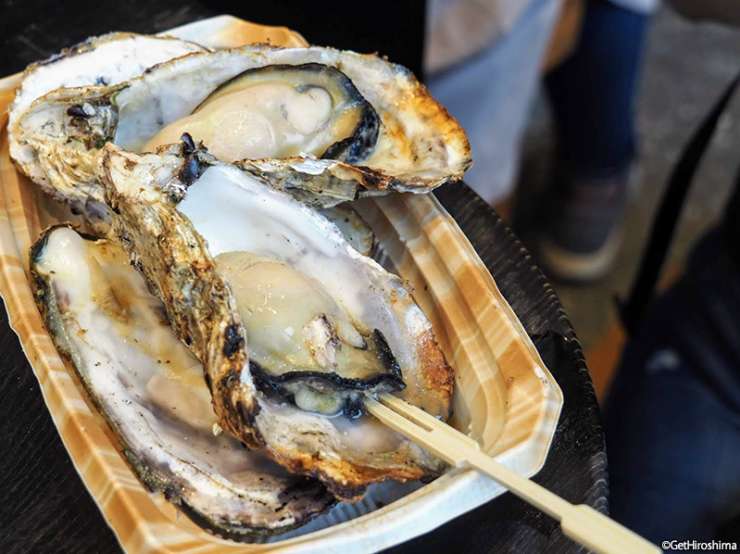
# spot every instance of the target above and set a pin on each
(46, 508)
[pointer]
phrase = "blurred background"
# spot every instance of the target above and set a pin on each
(578, 113)
(686, 65)
(606, 133)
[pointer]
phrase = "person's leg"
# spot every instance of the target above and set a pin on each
(490, 95)
(592, 96)
(673, 452)
(673, 415)
(592, 93)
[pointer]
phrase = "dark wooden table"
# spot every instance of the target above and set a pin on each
(44, 506)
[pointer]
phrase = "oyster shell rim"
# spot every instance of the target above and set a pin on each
(367, 181)
(344, 478)
(151, 477)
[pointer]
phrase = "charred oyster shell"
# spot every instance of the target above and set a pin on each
(173, 229)
(101, 61)
(418, 145)
(151, 391)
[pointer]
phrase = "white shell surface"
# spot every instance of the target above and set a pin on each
(151, 388)
(106, 60)
(236, 212)
(111, 60)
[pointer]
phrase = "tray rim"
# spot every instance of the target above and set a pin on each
(461, 476)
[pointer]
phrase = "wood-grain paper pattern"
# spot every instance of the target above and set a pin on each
(505, 397)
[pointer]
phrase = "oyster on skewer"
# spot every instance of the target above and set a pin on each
(210, 239)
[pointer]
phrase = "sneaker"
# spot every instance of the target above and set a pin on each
(583, 229)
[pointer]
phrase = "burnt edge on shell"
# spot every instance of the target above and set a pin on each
(164, 227)
(235, 534)
(154, 481)
(159, 236)
(146, 471)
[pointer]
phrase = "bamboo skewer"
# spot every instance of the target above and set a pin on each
(580, 522)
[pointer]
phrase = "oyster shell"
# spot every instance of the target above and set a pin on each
(280, 111)
(175, 212)
(358, 233)
(151, 390)
(418, 145)
(104, 60)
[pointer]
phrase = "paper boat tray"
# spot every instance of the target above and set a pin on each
(505, 397)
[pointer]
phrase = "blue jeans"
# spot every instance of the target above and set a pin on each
(673, 415)
(592, 93)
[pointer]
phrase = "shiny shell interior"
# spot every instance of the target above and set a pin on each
(375, 125)
(104, 60)
(151, 390)
(341, 327)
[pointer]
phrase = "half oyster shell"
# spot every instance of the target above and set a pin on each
(101, 61)
(177, 211)
(418, 146)
(151, 390)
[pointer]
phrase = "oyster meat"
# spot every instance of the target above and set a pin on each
(336, 124)
(237, 264)
(280, 111)
(150, 389)
(302, 342)
(98, 61)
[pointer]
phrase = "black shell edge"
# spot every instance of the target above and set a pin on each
(152, 479)
(352, 149)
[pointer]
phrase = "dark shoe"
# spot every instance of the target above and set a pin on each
(582, 229)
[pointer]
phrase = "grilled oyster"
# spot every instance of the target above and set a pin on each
(375, 124)
(280, 111)
(342, 327)
(151, 390)
(303, 343)
(104, 60)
